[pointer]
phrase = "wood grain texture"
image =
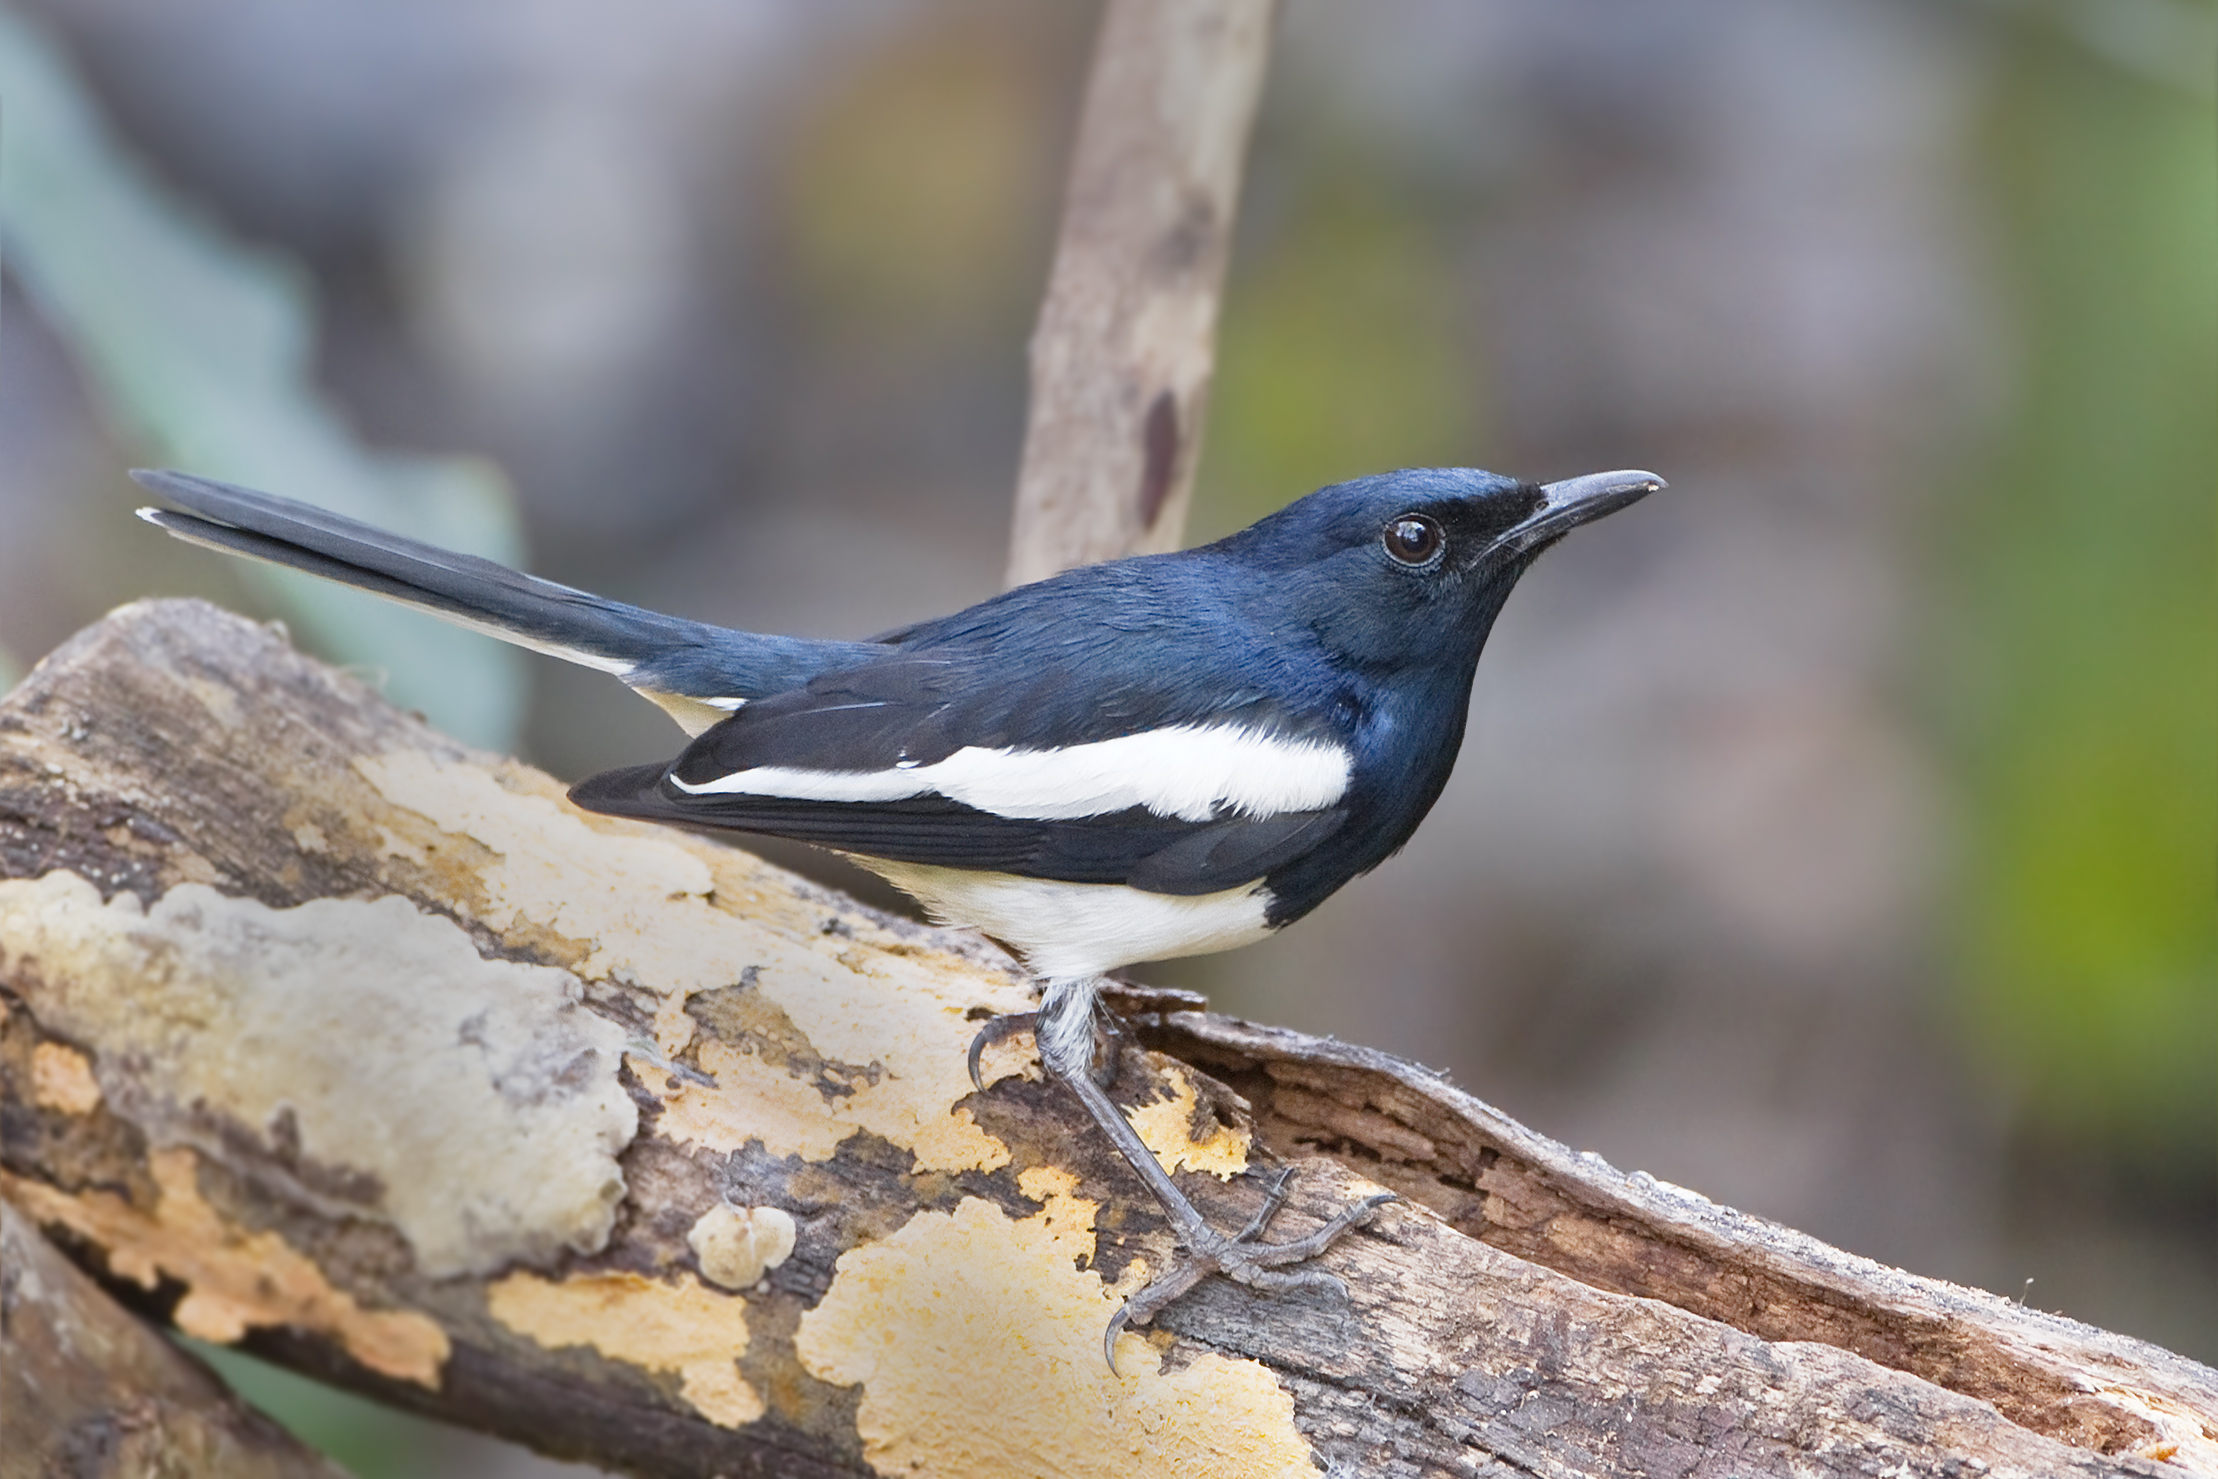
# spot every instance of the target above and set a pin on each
(1126, 339)
(819, 1251)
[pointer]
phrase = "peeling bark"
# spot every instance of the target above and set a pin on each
(1126, 340)
(89, 1391)
(817, 1250)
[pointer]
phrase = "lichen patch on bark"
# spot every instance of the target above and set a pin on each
(976, 1340)
(684, 1328)
(256, 1031)
(750, 1100)
(636, 904)
(1169, 1127)
(61, 1078)
(235, 1281)
(548, 870)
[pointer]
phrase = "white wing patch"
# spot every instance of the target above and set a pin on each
(1187, 771)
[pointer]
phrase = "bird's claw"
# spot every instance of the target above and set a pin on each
(996, 1032)
(1015, 1024)
(1244, 1260)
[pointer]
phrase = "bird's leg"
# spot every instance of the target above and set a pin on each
(1065, 1032)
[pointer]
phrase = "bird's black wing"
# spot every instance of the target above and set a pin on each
(1158, 854)
(935, 757)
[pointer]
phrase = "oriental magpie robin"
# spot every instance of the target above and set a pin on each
(1153, 757)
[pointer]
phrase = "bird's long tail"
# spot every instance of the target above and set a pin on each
(698, 673)
(464, 589)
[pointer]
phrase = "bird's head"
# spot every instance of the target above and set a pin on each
(1411, 568)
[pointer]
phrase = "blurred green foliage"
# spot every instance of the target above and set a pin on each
(2090, 932)
(1341, 351)
(198, 349)
(369, 1441)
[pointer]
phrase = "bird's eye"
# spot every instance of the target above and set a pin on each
(1413, 539)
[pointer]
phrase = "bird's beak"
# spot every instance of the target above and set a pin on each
(1576, 501)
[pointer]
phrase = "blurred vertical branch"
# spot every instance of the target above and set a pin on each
(1122, 354)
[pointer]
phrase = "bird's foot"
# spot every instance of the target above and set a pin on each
(1243, 1257)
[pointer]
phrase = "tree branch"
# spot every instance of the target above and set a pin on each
(91, 1392)
(1126, 340)
(391, 1066)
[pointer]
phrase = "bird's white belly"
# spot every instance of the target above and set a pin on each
(1082, 929)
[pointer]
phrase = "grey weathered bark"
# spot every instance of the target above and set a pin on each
(1126, 339)
(329, 1036)
(89, 1391)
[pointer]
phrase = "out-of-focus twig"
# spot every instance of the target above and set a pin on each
(1122, 354)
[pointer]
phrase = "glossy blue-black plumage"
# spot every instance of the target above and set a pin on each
(651, 650)
(1303, 627)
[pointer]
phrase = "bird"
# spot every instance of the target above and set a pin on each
(1152, 757)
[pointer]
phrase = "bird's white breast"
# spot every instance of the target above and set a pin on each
(1191, 771)
(1064, 930)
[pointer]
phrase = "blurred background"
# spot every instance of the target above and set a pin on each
(1835, 834)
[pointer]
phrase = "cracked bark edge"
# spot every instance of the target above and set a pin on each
(1631, 1233)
